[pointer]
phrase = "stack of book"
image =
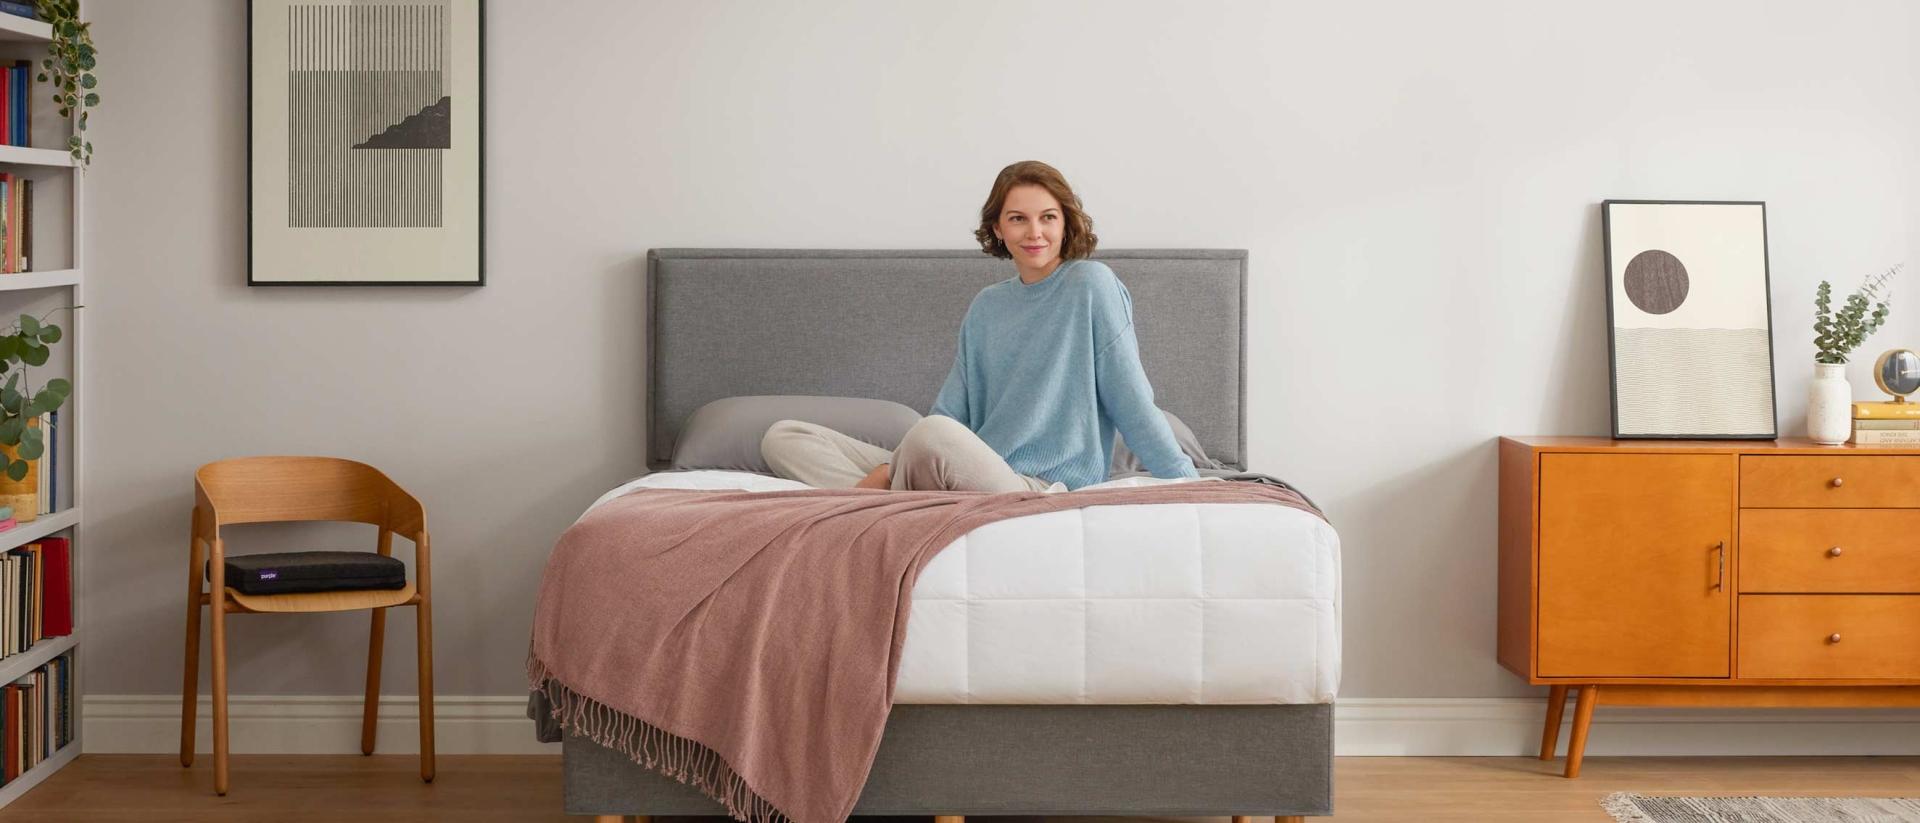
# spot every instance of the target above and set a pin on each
(36, 594)
(16, 223)
(16, 92)
(49, 474)
(1886, 424)
(19, 8)
(36, 716)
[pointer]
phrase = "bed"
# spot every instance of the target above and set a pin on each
(1112, 660)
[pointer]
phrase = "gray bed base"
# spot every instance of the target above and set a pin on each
(884, 324)
(1040, 760)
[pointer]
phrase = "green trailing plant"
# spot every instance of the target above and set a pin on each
(27, 344)
(1837, 334)
(68, 67)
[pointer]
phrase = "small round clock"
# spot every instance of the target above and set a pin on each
(1898, 373)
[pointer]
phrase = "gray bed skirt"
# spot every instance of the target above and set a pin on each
(1041, 760)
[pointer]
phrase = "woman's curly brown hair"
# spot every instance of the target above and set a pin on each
(1078, 240)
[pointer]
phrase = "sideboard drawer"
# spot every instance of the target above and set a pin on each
(1838, 481)
(1833, 636)
(1830, 550)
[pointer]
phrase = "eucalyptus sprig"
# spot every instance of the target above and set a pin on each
(27, 344)
(1837, 334)
(69, 68)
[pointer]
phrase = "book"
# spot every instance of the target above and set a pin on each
(1885, 410)
(8, 523)
(26, 225)
(22, 92)
(13, 219)
(12, 710)
(1886, 437)
(35, 586)
(53, 458)
(6, 105)
(1888, 425)
(19, 8)
(6, 224)
(57, 600)
(43, 493)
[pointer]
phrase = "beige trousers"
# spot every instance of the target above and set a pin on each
(938, 453)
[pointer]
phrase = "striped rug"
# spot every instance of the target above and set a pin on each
(1640, 808)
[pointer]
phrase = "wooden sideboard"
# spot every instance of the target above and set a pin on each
(1708, 573)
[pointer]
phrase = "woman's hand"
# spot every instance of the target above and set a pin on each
(880, 478)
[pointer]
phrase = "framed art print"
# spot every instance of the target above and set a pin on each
(1690, 335)
(364, 143)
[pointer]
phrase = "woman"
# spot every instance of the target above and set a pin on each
(1047, 370)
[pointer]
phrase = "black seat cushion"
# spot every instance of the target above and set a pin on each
(290, 572)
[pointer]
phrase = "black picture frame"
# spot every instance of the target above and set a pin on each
(1614, 313)
(480, 178)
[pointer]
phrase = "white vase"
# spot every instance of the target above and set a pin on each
(1829, 405)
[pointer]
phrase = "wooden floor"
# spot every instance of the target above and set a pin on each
(470, 789)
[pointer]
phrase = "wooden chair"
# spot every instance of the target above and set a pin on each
(283, 489)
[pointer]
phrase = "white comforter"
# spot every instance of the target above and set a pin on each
(1163, 603)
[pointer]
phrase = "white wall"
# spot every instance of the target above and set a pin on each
(1417, 183)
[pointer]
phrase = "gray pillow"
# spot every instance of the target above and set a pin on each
(1125, 462)
(726, 433)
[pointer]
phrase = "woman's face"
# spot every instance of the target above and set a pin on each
(1032, 225)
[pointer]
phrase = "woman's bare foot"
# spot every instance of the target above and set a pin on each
(879, 478)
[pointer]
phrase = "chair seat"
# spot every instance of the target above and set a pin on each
(334, 601)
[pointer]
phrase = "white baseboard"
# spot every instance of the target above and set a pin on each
(1362, 727)
(1503, 727)
(267, 724)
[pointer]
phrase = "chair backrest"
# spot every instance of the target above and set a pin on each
(279, 489)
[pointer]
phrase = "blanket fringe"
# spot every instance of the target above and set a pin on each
(654, 748)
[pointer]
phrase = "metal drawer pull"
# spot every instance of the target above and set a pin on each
(1720, 578)
(1837, 482)
(1834, 552)
(1833, 638)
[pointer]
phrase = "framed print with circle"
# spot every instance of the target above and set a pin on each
(1689, 318)
(364, 143)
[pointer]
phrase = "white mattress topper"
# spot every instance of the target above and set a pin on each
(1211, 603)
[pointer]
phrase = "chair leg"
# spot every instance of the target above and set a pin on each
(370, 711)
(218, 614)
(1550, 736)
(190, 688)
(1582, 718)
(425, 643)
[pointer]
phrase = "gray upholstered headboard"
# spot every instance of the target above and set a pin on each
(884, 324)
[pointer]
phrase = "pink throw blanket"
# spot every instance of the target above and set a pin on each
(748, 642)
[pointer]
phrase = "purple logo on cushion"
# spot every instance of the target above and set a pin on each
(269, 575)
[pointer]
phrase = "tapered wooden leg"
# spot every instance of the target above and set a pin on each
(1582, 717)
(425, 643)
(1290, 818)
(190, 687)
(1550, 736)
(1242, 818)
(950, 818)
(217, 612)
(370, 712)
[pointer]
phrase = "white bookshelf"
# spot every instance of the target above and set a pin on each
(26, 156)
(22, 30)
(39, 280)
(60, 282)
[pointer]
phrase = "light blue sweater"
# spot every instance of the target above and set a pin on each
(1046, 373)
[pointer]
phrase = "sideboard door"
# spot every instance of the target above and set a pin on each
(1635, 579)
